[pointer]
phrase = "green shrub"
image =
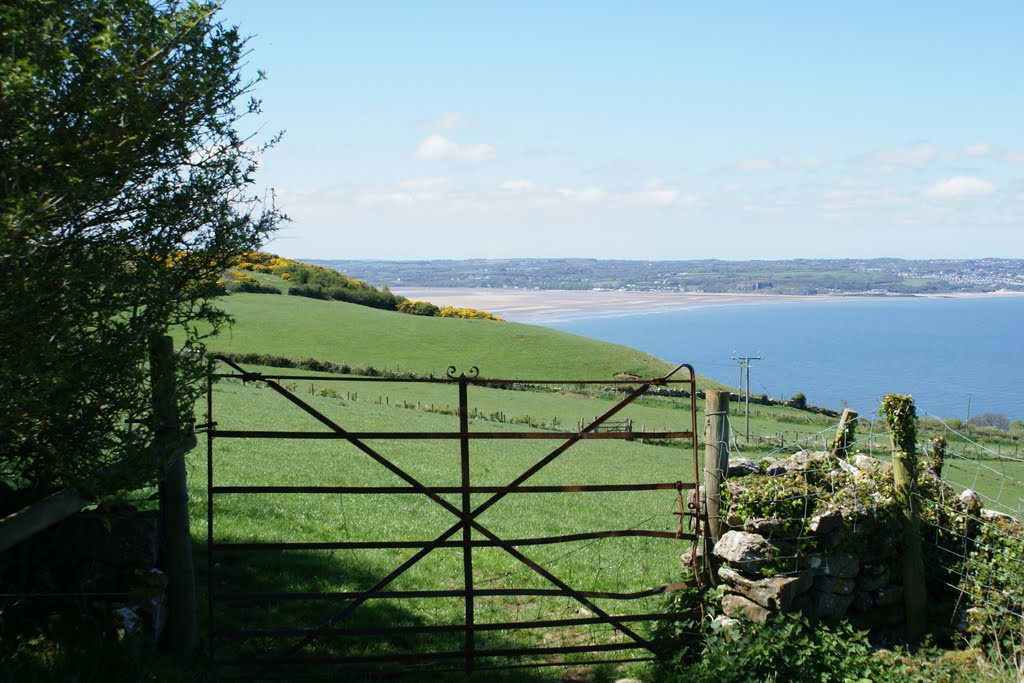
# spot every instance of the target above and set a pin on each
(787, 648)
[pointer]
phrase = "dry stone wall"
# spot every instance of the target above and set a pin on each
(814, 533)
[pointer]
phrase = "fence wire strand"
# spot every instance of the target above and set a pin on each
(970, 519)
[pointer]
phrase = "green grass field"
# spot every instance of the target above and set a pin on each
(298, 328)
(615, 565)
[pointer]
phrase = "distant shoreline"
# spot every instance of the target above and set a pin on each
(537, 306)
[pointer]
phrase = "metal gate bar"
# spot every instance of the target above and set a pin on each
(466, 515)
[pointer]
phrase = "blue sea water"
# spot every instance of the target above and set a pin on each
(945, 352)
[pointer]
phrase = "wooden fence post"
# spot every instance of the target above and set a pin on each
(716, 457)
(182, 632)
(901, 417)
(845, 433)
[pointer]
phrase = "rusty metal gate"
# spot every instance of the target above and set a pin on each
(333, 629)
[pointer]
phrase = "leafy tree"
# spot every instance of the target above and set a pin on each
(997, 420)
(125, 190)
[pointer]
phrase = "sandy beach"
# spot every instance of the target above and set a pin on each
(531, 305)
(536, 306)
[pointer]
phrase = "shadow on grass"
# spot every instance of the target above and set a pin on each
(260, 634)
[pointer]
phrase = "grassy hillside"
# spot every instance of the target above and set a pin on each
(298, 327)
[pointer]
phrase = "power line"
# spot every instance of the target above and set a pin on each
(744, 363)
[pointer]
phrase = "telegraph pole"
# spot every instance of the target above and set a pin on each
(744, 363)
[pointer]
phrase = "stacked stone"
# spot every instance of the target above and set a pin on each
(829, 584)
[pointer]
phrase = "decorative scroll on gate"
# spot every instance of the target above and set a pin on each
(287, 647)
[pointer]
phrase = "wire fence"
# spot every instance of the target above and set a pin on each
(969, 495)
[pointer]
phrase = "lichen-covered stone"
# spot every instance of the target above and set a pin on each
(970, 499)
(744, 551)
(734, 605)
(763, 527)
(825, 523)
(831, 584)
(870, 465)
(889, 595)
(873, 580)
(775, 592)
(830, 605)
(741, 467)
(795, 463)
(841, 565)
(862, 602)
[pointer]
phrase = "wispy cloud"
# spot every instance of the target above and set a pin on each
(657, 193)
(405, 192)
(446, 121)
(518, 185)
(959, 187)
(585, 194)
(756, 165)
(438, 147)
(781, 163)
(921, 153)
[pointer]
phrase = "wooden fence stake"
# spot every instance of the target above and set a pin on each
(901, 416)
(844, 433)
(716, 457)
(182, 631)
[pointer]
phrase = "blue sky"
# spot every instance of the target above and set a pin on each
(645, 130)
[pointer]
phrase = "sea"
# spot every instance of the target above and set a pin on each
(958, 357)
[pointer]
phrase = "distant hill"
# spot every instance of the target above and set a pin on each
(804, 276)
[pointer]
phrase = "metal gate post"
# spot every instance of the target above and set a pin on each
(467, 530)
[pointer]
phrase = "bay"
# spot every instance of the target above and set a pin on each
(953, 355)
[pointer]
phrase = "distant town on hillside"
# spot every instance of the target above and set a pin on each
(883, 276)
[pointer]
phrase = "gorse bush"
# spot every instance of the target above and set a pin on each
(418, 308)
(317, 282)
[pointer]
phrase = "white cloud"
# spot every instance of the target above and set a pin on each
(959, 187)
(757, 165)
(424, 183)
(520, 185)
(438, 147)
(446, 121)
(586, 194)
(920, 153)
(782, 163)
(657, 197)
(657, 193)
(980, 149)
(413, 190)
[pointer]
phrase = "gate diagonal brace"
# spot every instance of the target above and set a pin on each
(331, 424)
(471, 518)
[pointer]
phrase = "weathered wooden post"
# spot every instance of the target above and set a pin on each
(901, 417)
(937, 455)
(845, 433)
(182, 632)
(716, 457)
